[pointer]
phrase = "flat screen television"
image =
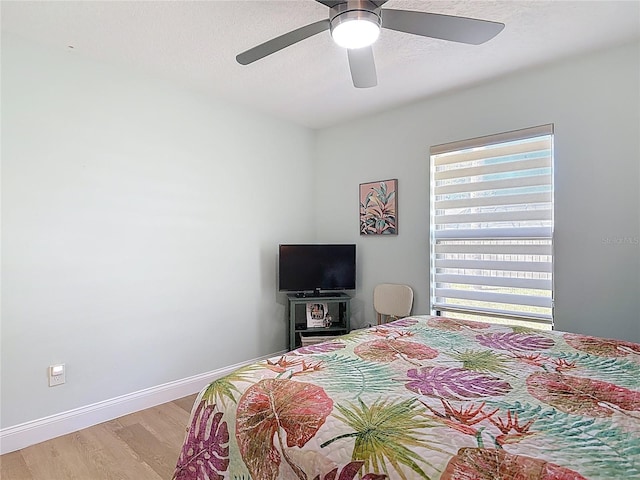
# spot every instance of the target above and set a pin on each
(316, 267)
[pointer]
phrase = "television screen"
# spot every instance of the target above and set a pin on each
(317, 267)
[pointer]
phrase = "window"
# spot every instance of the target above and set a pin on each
(492, 228)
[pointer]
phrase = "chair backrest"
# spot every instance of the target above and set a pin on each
(392, 300)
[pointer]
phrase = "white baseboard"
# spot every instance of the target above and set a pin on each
(36, 431)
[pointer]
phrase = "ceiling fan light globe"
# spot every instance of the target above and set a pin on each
(356, 33)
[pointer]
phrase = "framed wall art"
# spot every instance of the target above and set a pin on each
(379, 207)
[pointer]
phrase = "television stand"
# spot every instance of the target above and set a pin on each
(337, 305)
(317, 294)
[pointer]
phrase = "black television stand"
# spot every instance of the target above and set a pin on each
(304, 331)
(316, 294)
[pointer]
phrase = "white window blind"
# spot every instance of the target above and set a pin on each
(492, 226)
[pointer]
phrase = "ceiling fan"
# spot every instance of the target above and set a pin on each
(355, 25)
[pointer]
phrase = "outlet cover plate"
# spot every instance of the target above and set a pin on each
(57, 375)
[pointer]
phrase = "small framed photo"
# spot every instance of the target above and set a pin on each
(316, 313)
(379, 207)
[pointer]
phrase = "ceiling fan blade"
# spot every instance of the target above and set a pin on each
(444, 27)
(283, 41)
(363, 67)
(333, 3)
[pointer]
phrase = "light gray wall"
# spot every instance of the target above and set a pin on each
(140, 225)
(594, 103)
(140, 221)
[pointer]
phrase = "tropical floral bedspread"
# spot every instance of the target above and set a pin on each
(425, 398)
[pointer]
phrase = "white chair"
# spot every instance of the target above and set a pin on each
(392, 301)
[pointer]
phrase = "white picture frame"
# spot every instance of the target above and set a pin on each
(316, 313)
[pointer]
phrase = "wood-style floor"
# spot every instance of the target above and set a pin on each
(142, 446)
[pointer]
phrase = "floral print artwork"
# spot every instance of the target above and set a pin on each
(425, 398)
(378, 208)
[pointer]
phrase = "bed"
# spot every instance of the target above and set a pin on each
(425, 398)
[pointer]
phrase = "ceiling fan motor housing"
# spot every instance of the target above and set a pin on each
(354, 10)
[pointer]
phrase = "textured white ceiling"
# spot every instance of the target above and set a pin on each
(195, 44)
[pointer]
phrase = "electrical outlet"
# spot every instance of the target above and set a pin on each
(57, 374)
